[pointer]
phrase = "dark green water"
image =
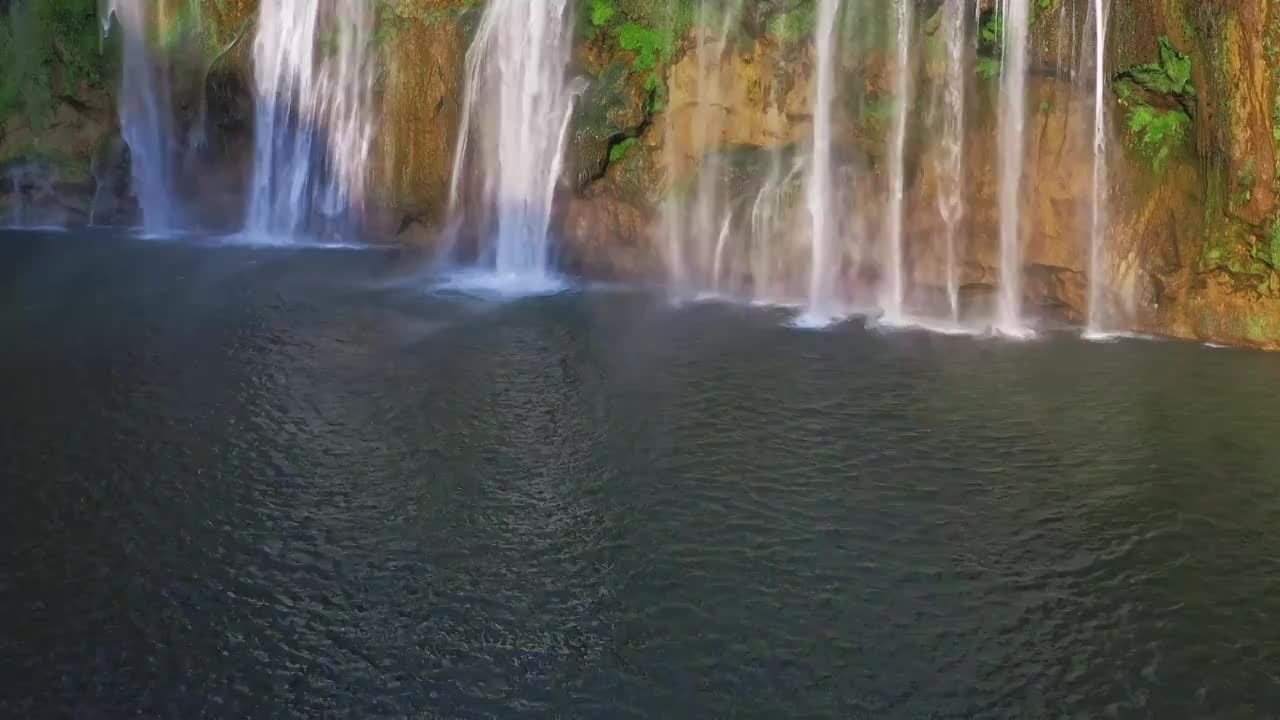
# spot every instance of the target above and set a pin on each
(248, 482)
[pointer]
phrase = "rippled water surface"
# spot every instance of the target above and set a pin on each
(245, 482)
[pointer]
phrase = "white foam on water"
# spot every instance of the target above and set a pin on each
(812, 320)
(490, 285)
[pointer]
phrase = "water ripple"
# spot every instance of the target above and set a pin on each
(248, 484)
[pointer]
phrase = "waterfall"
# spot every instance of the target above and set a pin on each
(516, 112)
(951, 199)
(820, 179)
(896, 290)
(717, 262)
(1012, 122)
(146, 113)
(17, 176)
(671, 210)
(1097, 228)
(765, 211)
(710, 201)
(93, 201)
(313, 71)
(706, 127)
(771, 228)
(699, 224)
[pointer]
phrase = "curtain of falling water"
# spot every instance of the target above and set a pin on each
(17, 177)
(951, 199)
(820, 181)
(1012, 122)
(515, 119)
(892, 304)
(1098, 224)
(313, 68)
(671, 208)
(769, 234)
(699, 221)
(146, 111)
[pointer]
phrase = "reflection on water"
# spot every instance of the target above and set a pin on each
(244, 482)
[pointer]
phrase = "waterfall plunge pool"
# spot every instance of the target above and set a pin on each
(244, 481)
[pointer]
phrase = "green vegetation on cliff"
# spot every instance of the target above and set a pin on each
(1159, 98)
(1158, 133)
(1171, 76)
(47, 48)
(795, 24)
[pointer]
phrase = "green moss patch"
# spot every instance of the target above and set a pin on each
(1170, 77)
(1157, 133)
(619, 151)
(47, 47)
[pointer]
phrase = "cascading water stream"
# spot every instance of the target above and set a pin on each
(515, 119)
(1097, 228)
(671, 209)
(770, 228)
(93, 201)
(699, 226)
(711, 196)
(820, 191)
(1012, 122)
(951, 199)
(146, 113)
(17, 176)
(893, 304)
(313, 70)
(717, 263)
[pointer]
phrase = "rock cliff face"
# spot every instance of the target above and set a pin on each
(423, 45)
(684, 100)
(1192, 238)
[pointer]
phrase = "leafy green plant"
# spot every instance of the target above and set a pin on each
(619, 151)
(602, 11)
(795, 24)
(988, 68)
(1158, 132)
(647, 43)
(1170, 76)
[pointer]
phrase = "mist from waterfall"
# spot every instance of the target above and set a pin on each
(1012, 130)
(313, 72)
(516, 112)
(1098, 276)
(146, 111)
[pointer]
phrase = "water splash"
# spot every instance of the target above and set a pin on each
(1012, 122)
(951, 201)
(820, 193)
(1097, 228)
(893, 304)
(146, 112)
(313, 71)
(515, 119)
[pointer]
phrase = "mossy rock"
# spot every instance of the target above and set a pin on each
(613, 108)
(634, 171)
